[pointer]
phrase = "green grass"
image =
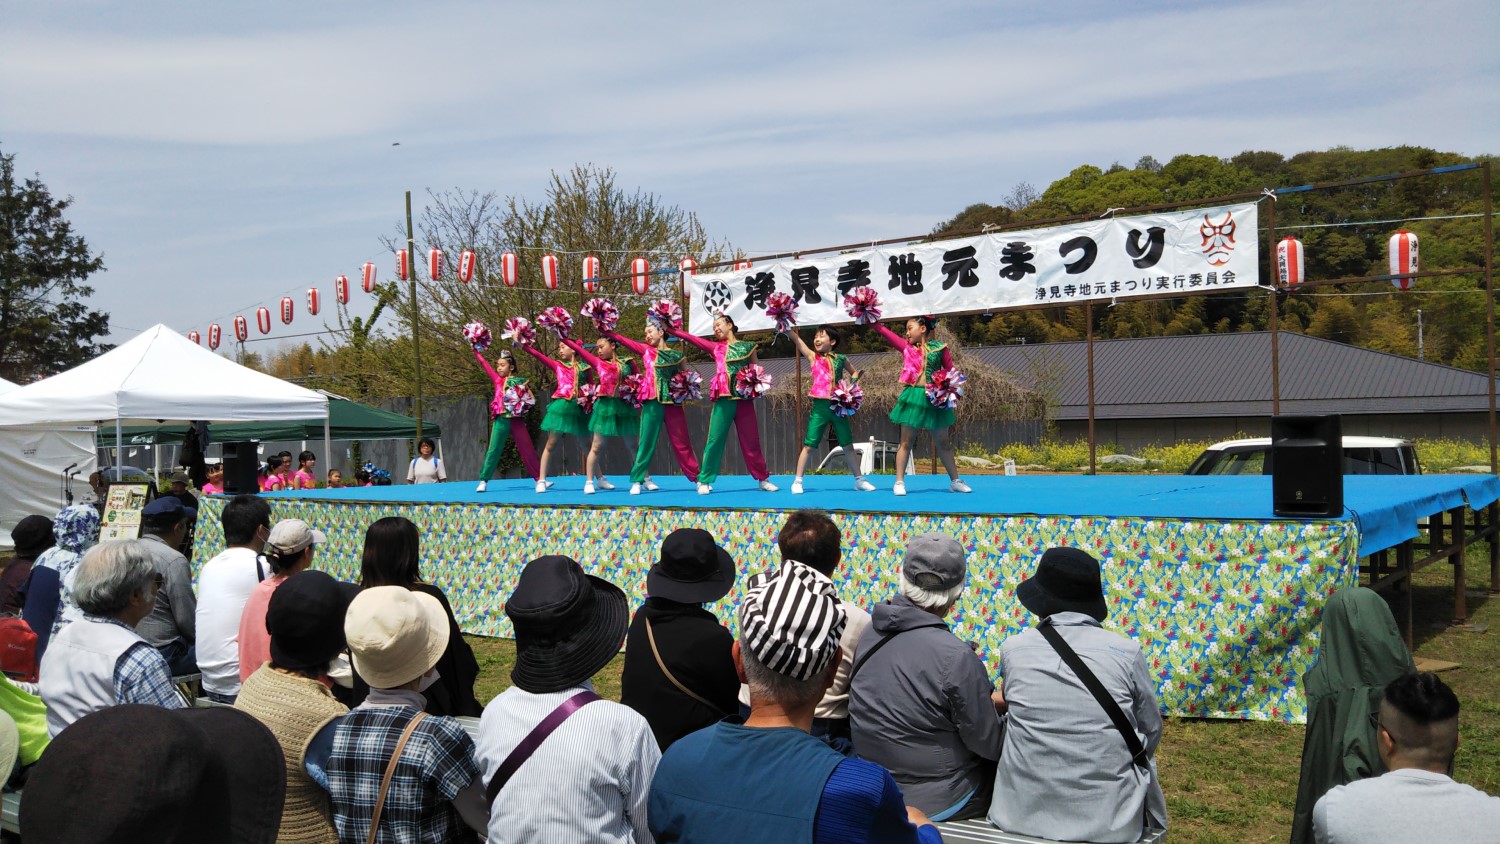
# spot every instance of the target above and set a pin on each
(1236, 781)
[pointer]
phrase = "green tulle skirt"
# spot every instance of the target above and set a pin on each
(612, 417)
(914, 410)
(564, 416)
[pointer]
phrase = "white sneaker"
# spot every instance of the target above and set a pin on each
(549, 485)
(605, 484)
(651, 485)
(797, 487)
(480, 488)
(635, 489)
(588, 487)
(959, 486)
(767, 486)
(541, 486)
(899, 488)
(863, 485)
(704, 489)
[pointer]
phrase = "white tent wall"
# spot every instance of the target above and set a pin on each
(32, 462)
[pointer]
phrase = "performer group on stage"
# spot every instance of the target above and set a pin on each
(602, 394)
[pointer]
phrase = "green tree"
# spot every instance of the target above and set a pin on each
(47, 325)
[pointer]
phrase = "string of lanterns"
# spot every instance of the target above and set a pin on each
(1402, 253)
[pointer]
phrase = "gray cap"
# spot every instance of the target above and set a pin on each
(935, 561)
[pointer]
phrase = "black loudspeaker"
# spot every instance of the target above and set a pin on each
(241, 468)
(1307, 469)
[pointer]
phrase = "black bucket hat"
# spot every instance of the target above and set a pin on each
(1066, 580)
(32, 535)
(305, 618)
(568, 624)
(693, 569)
(143, 773)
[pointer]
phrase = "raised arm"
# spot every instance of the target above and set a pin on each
(587, 355)
(494, 376)
(892, 337)
(802, 347)
(705, 345)
(546, 361)
(634, 345)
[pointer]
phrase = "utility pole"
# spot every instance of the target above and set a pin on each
(1421, 352)
(412, 262)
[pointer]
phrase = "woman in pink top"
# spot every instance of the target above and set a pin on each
(305, 477)
(289, 549)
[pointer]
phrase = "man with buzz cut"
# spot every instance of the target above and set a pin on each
(1416, 800)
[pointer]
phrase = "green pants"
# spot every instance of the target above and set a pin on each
(654, 415)
(817, 425)
(502, 427)
(728, 412)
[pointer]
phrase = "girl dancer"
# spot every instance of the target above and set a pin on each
(503, 374)
(564, 416)
(612, 417)
(731, 354)
(920, 358)
(659, 362)
(828, 369)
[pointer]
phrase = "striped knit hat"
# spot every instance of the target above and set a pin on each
(791, 620)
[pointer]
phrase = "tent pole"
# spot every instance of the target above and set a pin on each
(155, 460)
(327, 444)
(119, 448)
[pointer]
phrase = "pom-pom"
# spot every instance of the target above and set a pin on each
(665, 312)
(379, 475)
(782, 308)
(370, 468)
(556, 320)
(630, 389)
(752, 382)
(844, 400)
(946, 388)
(517, 400)
(602, 312)
(477, 334)
(686, 385)
(518, 330)
(864, 305)
(587, 395)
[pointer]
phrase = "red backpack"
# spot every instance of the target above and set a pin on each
(17, 649)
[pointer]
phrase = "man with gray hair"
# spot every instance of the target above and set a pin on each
(100, 661)
(766, 779)
(921, 703)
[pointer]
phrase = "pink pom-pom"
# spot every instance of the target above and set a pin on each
(686, 385)
(665, 312)
(602, 312)
(518, 330)
(845, 399)
(518, 399)
(752, 382)
(477, 334)
(556, 320)
(630, 390)
(587, 395)
(864, 305)
(946, 388)
(782, 308)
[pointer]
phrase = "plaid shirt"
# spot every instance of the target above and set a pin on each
(142, 675)
(436, 764)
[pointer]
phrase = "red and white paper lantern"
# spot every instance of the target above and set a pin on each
(241, 329)
(1289, 262)
(312, 301)
(509, 267)
(741, 265)
(263, 320)
(549, 271)
(215, 333)
(341, 289)
(195, 337)
(435, 264)
(403, 264)
(367, 279)
(286, 310)
(640, 276)
(688, 267)
(1403, 249)
(591, 274)
(466, 262)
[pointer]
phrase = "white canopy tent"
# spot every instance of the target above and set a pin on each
(36, 464)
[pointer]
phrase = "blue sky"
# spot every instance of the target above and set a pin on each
(221, 157)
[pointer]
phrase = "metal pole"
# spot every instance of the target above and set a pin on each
(1274, 324)
(416, 342)
(1088, 311)
(1489, 303)
(1421, 347)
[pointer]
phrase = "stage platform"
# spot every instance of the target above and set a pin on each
(1222, 594)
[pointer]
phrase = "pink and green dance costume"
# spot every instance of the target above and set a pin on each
(658, 410)
(729, 408)
(502, 424)
(918, 363)
(564, 416)
(826, 374)
(612, 417)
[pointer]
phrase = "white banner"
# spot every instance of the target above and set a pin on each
(1185, 251)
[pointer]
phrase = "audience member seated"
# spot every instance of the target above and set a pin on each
(391, 558)
(305, 618)
(30, 537)
(1417, 800)
(587, 762)
(224, 587)
(29, 714)
(143, 774)
(48, 605)
(679, 670)
(170, 626)
(921, 703)
(1066, 772)
(767, 779)
(289, 549)
(396, 636)
(100, 661)
(813, 539)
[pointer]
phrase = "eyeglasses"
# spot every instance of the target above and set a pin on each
(1375, 722)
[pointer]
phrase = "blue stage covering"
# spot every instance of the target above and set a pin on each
(1385, 508)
